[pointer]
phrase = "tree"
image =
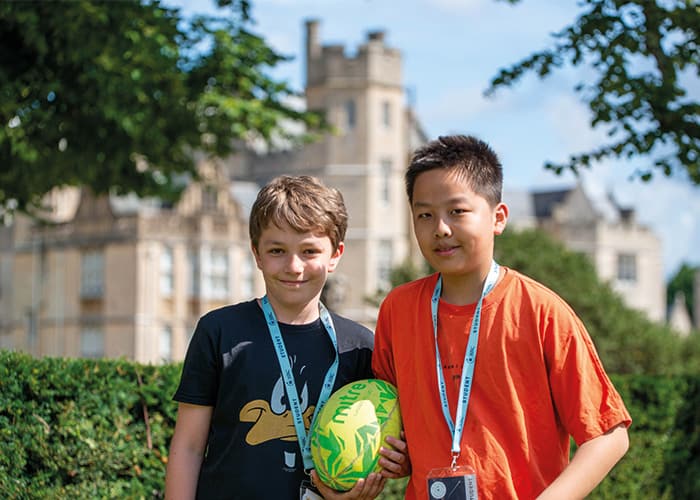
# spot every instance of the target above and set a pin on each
(645, 54)
(120, 96)
(683, 282)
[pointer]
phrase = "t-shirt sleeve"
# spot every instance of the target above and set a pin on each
(199, 380)
(382, 357)
(586, 400)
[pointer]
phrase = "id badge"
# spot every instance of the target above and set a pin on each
(308, 492)
(452, 483)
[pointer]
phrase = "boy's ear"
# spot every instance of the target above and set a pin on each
(500, 218)
(335, 258)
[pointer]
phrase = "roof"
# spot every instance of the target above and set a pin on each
(544, 201)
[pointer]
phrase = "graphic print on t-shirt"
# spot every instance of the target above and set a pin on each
(273, 419)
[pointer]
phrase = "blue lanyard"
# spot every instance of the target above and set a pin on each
(288, 377)
(465, 386)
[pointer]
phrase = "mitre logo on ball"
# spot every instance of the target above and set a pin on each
(350, 429)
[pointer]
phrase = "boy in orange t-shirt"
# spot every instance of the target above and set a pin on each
(495, 371)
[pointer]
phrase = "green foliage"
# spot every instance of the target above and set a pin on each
(122, 100)
(663, 461)
(645, 57)
(683, 282)
(626, 340)
(78, 428)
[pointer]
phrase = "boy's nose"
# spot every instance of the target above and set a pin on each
(441, 229)
(295, 264)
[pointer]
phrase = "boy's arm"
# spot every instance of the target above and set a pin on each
(589, 465)
(187, 451)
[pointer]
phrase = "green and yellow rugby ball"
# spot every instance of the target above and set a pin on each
(350, 429)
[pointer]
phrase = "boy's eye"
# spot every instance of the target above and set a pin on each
(276, 251)
(459, 211)
(423, 215)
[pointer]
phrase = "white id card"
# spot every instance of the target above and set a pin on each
(308, 492)
(452, 483)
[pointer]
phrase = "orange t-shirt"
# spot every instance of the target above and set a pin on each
(537, 381)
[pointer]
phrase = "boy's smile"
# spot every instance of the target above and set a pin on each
(446, 250)
(295, 267)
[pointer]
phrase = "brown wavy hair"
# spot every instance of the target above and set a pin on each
(304, 203)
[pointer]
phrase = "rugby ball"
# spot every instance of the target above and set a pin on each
(350, 429)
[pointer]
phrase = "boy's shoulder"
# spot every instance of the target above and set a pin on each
(239, 310)
(533, 285)
(351, 333)
(535, 293)
(413, 288)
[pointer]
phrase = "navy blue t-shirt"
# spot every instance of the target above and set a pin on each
(252, 450)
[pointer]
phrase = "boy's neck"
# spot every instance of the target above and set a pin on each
(291, 315)
(461, 290)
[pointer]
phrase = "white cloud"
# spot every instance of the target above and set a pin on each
(460, 106)
(570, 120)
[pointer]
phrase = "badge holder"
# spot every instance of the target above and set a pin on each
(457, 482)
(307, 491)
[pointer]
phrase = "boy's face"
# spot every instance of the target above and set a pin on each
(295, 267)
(454, 226)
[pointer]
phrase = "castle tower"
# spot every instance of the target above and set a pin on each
(363, 98)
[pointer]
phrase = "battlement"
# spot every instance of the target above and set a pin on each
(374, 62)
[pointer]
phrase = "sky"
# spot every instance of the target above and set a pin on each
(451, 50)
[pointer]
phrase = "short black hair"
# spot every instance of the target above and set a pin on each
(471, 157)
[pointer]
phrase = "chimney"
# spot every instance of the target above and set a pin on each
(313, 46)
(376, 36)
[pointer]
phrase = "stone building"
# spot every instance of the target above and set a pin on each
(625, 253)
(114, 277)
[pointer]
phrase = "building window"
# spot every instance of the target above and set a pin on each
(386, 114)
(627, 267)
(92, 275)
(217, 275)
(384, 261)
(91, 343)
(193, 268)
(209, 199)
(385, 180)
(166, 272)
(350, 118)
(165, 344)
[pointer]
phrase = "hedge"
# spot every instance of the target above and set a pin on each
(101, 429)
